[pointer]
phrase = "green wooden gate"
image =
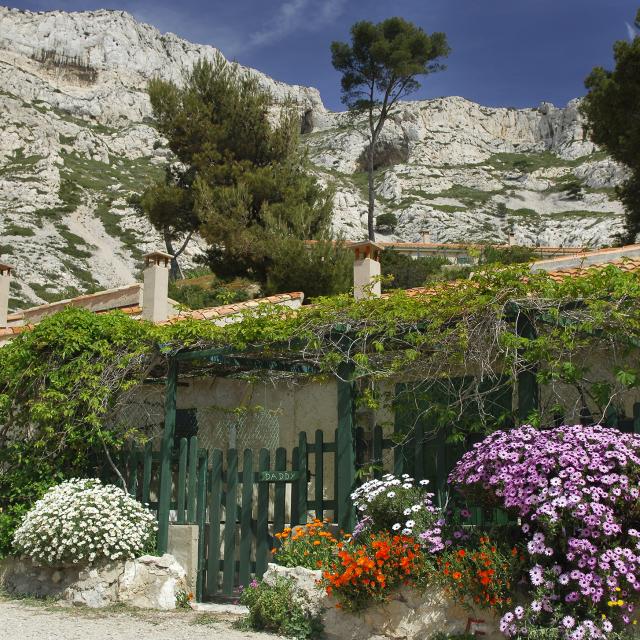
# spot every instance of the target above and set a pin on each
(240, 499)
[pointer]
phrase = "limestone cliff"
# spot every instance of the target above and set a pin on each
(76, 140)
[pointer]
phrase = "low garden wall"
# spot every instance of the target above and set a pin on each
(148, 582)
(408, 615)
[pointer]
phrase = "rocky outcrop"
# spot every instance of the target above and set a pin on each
(408, 615)
(76, 142)
(148, 582)
(97, 63)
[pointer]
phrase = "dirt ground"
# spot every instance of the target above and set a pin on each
(34, 620)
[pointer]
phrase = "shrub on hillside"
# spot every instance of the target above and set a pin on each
(83, 522)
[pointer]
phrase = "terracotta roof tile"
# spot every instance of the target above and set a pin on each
(231, 309)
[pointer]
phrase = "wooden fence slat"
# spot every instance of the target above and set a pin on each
(182, 480)
(279, 492)
(319, 475)
(295, 486)
(377, 451)
(231, 508)
(215, 504)
(262, 523)
(201, 511)
(192, 480)
(303, 482)
(636, 417)
(146, 472)
(246, 535)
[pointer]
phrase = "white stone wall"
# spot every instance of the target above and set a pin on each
(148, 582)
(409, 615)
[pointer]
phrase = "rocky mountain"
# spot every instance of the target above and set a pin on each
(76, 140)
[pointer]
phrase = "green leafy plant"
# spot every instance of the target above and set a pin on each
(184, 599)
(278, 608)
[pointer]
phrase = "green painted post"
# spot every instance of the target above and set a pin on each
(192, 480)
(230, 515)
(319, 475)
(636, 417)
(262, 523)
(182, 480)
(279, 492)
(215, 507)
(146, 472)
(246, 534)
(527, 383)
(336, 480)
(164, 497)
(201, 511)
(295, 465)
(345, 455)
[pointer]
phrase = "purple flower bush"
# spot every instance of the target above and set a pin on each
(575, 490)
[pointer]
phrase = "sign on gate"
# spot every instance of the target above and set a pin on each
(278, 476)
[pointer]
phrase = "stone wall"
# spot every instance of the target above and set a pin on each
(408, 615)
(148, 582)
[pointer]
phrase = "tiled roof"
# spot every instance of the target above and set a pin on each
(135, 311)
(451, 246)
(624, 264)
(214, 313)
(558, 275)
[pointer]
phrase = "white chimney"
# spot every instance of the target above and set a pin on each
(512, 240)
(425, 234)
(155, 296)
(5, 282)
(366, 270)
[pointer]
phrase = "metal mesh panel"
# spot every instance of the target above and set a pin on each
(252, 428)
(141, 408)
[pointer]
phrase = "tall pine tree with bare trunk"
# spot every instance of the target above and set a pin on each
(379, 68)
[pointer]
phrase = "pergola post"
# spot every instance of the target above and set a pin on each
(164, 497)
(527, 382)
(345, 449)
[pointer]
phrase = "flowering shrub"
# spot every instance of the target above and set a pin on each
(84, 521)
(576, 491)
(398, 506)
(311, 546)
(481, 573)
(368, 570)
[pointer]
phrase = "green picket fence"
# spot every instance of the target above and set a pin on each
(240, 499)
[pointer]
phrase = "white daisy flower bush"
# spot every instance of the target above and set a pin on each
(83, 521)
(398, 505)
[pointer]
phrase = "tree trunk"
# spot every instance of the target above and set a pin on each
(372, 193)
(174, 271)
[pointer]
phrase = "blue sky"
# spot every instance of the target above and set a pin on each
(504, 52)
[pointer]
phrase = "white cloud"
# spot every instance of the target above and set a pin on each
(632, 32)
(294, 15)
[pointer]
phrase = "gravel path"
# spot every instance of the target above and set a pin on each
(20, 620)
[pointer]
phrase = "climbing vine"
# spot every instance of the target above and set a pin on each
(459, 350)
